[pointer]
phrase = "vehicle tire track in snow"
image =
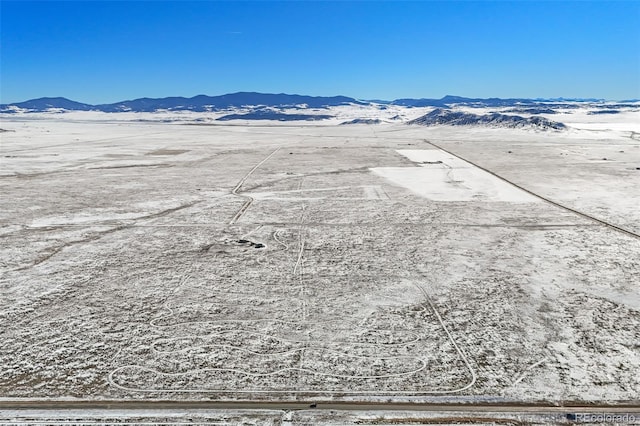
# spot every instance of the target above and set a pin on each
(464, 358)
(298, 270)
(248, 199)
(276, 237)
(298, 267)
(526, 371)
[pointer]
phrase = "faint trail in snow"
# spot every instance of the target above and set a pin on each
(298, 269)
(276, 237)
(253, 231)
(455, 345)
(67, 244)
(526, 371)
(248, 199)
(98, 235)
(166, 305)
(84, 142)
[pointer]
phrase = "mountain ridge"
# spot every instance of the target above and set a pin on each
(198, 103)
(204, 103)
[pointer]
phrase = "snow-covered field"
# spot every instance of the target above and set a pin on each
(160, 260)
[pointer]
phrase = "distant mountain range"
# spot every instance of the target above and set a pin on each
(200, 103)
(203, 103)
(459, 100)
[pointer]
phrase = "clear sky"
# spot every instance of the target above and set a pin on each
(102, 52)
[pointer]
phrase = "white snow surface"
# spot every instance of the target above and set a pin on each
(122, 276)
(444, 177)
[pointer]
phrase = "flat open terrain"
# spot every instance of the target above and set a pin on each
(166, 261)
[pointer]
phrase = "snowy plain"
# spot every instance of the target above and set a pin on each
(167, 256)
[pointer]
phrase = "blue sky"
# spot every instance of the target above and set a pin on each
(101, 52)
